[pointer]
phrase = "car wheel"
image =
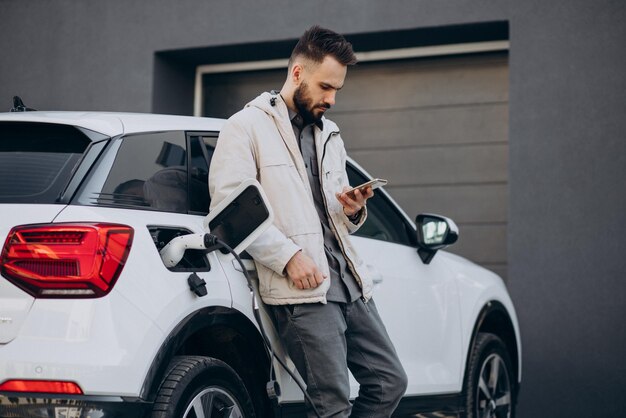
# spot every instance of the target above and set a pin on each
(489, 380)
(202, 387)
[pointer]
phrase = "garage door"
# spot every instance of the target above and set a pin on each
(436, 128)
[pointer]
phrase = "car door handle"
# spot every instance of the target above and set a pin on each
(376, 276)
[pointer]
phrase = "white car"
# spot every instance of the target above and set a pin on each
(93, 323)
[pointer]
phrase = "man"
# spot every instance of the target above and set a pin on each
(318, 288)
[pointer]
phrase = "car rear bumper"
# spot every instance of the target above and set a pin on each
(41, 405)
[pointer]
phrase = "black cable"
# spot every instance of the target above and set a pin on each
(257, 317)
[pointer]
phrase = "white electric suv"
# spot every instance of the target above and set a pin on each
(93, 323)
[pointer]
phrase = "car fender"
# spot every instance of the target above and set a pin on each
(482, 293)
(195, 322)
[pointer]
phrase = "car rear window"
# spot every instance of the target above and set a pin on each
(37, 160)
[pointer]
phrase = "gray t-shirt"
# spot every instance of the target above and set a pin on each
(343, 285)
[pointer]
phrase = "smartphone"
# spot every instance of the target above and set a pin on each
(374, 184)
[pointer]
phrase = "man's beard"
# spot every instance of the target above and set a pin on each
(305, 105)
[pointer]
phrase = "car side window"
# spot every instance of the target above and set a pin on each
(383, 222)
(210, 141)
(201, 150)
(149, 171)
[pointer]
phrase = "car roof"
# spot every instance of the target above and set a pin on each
(114, 123)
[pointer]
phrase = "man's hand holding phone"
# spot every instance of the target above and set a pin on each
(354, 198)
(374, 184)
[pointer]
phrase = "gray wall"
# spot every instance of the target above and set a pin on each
(567, 264)
(567, 126)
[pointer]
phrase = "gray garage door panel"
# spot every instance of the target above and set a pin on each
(465, 204)
(437, 165)
(225, 94)
(425, 83)
(453, 125)
(482, 243)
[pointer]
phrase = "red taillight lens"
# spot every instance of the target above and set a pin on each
(66, 260)
(44, 386)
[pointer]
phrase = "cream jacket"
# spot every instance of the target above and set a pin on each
(258, 142)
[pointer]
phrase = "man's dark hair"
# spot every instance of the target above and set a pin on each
(316, 43)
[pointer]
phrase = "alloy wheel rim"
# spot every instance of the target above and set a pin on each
(493, 397)
(213, 402)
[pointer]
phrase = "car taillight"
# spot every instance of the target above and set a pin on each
(66, 260)
(45, 386)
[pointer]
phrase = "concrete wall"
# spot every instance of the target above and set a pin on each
(567, 150)
(568, 204)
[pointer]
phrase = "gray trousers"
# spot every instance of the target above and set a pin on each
(325, 340)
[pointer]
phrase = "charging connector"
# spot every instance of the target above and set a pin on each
(174, 251)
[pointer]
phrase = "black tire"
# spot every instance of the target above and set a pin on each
(193, 381)
(490, 380)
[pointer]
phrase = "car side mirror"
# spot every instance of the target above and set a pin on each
(237, 220)
(434, 232)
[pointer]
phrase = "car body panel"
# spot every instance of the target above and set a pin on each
(477, 288)
(14, 307)
(14, 302)
(101, 344)
(161, 294)
(426, 330)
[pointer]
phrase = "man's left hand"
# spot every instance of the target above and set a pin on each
(354, 202)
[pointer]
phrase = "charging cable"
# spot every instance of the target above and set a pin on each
(272, 388)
